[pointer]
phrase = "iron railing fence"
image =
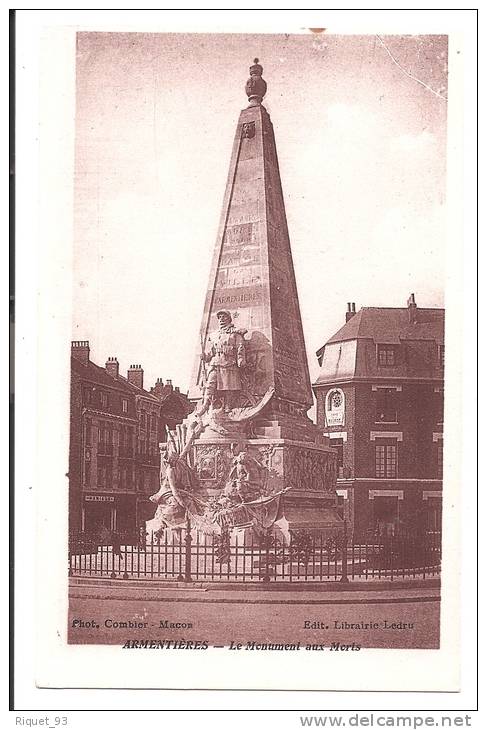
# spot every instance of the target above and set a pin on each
(190, 556)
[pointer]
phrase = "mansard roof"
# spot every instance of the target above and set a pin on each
(391, 324)
(351, 353)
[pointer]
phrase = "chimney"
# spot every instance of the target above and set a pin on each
(168, 388)
(111, 366)
(80, 349)
(135, 376)
(158, 387)
(412, 310)
(350, 311)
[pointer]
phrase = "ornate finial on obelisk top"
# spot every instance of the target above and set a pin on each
(255, 87)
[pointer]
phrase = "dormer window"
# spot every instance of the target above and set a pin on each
(386, 355)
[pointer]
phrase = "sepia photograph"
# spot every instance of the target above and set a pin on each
(275, 447)
(249, 357)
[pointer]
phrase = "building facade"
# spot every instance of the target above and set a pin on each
(380, 402)
(116, 428)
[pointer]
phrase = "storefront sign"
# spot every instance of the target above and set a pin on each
(98, 498)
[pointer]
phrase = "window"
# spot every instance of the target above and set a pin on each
(386, 355)
(335, 407)
(126, 478)
(441, 355)
(142, 420)
(386, 514)
(439, 459)
(335, 399)
(102, 476)
(337, 444)
(127, 444)
(439, 397)
(87, 393)
(386, 406)
(386, 461)
(87, 472)
(153, 423)
(104, 400)
(105, 436)
(125, 405)
(88, 432)
(433, 514)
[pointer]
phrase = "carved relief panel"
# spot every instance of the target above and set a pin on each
(311, 470)
(211, 465)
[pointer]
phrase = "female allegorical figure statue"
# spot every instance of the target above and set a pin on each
(175, 498)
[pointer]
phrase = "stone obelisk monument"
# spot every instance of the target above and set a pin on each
(250, 381)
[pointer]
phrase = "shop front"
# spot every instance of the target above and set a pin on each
(103, 513)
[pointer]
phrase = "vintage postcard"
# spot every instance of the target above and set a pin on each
(254, 243)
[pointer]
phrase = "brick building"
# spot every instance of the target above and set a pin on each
(380, 401)
(116, 427)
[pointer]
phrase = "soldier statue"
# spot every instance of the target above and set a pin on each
(226, 358)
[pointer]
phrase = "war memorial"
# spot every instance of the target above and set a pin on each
(247, 483)
(248, 457)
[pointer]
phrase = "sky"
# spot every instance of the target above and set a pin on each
(360, 127)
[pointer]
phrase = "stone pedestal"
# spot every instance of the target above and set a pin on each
(303, 469)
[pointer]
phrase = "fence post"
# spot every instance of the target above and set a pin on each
(266, 578)
(125, 572)
(187, 552)
(344, 578)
